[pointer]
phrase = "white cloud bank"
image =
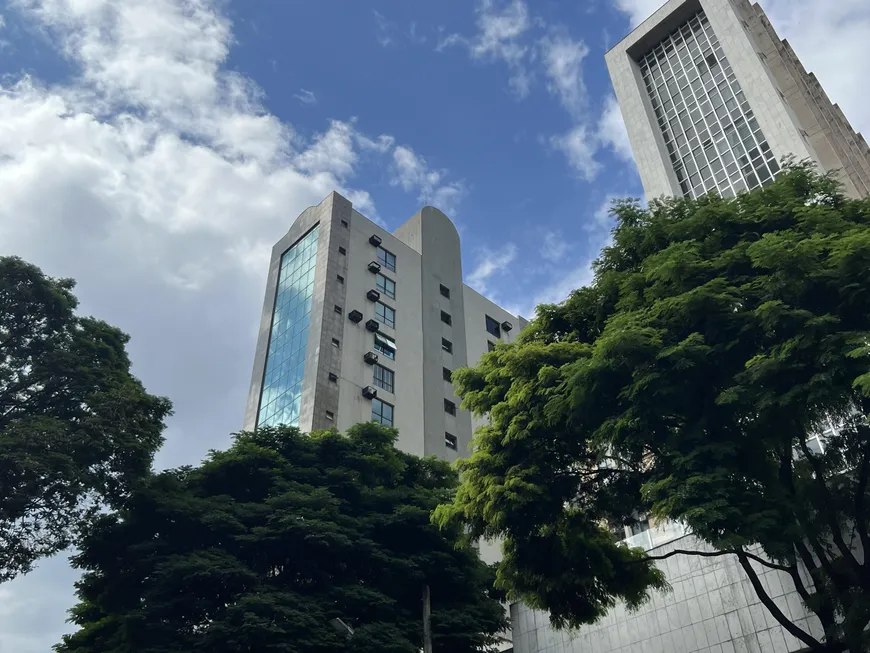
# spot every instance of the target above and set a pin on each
(157, 179)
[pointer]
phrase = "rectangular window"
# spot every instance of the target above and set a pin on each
(385, 345)
(445, 291)
(342, 250)
(382, 412)
(386, 286)
(493, 327)
(333, 377)
(445, 317)
(448, 375)
(385, 315)
(336, 343)
(338, 309)
(387, 259)
(490, 345)
(449, 407)
(330, 415)
(340, 279)
(344, 223)
(446, 345)
(451, 442)
(383, 377)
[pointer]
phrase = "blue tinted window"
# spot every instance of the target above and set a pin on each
(285, 361)
(382, 412)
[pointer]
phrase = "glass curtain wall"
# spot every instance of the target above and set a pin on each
(285, 361)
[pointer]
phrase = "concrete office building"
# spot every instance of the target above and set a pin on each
(714, 100)
(361, 324)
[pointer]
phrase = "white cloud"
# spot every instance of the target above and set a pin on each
(638, 10)
(158, 180)
(412, 173)
(499, 38)
(385, 28)
(579, 146)
(554, 247)
(490, 263)
(612, 132)
(559, 289)
(563, 59)
(306, 97)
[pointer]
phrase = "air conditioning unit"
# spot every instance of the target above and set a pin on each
(375, 240)
(355, 316)
(369, 392)
(370, 358)
(507, 326)
(373, 295)
(373, 325)
(374, 267)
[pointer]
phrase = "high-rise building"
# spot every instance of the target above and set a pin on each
(359, 324)
(714, 100)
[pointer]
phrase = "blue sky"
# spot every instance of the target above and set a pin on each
(154, 150)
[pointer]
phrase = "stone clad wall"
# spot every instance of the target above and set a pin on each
(712, 608)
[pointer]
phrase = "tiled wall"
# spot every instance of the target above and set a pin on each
(712, 608)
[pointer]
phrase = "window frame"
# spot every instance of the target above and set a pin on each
(446, 345)
(386, 311)
(446, 318)
(496, 330)
(380, 416)
(449, 407)
(447, 374)
(445, 291)
(383, 349)
(386, 258)
(451, 441)
(383, 288)
(381, 382)
(490, 345)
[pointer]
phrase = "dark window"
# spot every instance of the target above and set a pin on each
(342, 250)
(336, 342)
(344, 223)
(448, 375)
(493, 327)
(333, 377)
(449, 407)
(384, 378)
(385, 315)
(330, 415)
(382, 412)
(490, 345)
(451, 442)
(445, 291)
(340, 279)
(446, 345)
(445, 317)
(386, 286)
(387, 259)
(338, 309)
(385, 345)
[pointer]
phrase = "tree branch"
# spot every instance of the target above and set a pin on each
(715, 554)
(806, 638)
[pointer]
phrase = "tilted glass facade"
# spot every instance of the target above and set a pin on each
(285, 361)
(712, 136)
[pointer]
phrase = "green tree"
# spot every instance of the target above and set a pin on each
(687, 380)
(262, 545)
(76, 428)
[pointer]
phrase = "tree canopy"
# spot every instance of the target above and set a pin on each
(258, 548)
(77, 430)
(688, 379)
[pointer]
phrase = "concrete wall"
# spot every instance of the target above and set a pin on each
(712, 609)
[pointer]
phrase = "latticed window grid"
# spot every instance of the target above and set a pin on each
(713, 139)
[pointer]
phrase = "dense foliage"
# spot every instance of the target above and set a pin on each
(262, 545)
(688, 379)
(76, 428)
